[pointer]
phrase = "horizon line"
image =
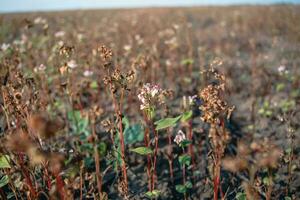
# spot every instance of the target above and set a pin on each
(160, 5)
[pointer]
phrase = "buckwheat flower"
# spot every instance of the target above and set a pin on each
(61, 43)
(179, 137)
(72, 64)
(60, 34)
(88, 73)
(192, 99)
(150, 96)
(40, 20)
(127, 47)
(282, 69)
(80, 36)
(5, 46)
(40, 68)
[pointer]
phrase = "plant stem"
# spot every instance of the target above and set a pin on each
(60, 186)
(191, 150)
(117, 109)
(146, 141)
(97, 160)
(170, 156)
(184, 175)
(155, 155)
(269, 190)
(27, 177)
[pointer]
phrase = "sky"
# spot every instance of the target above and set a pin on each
(53, 5)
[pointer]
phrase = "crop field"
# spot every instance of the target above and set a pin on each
(157, 103)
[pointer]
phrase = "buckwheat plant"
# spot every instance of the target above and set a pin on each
(215, 111)
(151, 96)
(117, 83)
(184, 160)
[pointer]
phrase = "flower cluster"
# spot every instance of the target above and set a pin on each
(214, 107)
(150, 96)
(5, 46)
(179, 137)
(282, 70)
(72, 64)
(40, 68)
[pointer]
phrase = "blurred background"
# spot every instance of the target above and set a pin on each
(53, 5)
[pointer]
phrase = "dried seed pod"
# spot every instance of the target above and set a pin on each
(43, 127)
(18, 142)
(235, 164)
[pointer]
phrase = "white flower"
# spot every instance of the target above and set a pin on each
(60, 34)
(40, 20)
(80, 36)
(5, 46)
(192, 99)
(282, 70)
(179, 137)
(60, 43)
(72, 64)
(87, 73)
(127, 47)
(41, 67)
(168, 63)
(149, 96)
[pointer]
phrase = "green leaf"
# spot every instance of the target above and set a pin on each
(185, 143)
(153, 194)
(184, 160)
(240, 196)
(94, 85)
(266, 180)
(4, 162)
(180, 188)
(287, 198)
(188, 184)
(166, 122)
(78, 123)
(11, 196)
(102, 147)
(187, 61)
(280, 87)
(186, 116)
(142, 150)
(132, 133)
(3, 181)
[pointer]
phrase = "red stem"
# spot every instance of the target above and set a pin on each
(27, 177)
(117, 108)
(191, 150)
(170, 157)
(155, 156)
(60, 186)
(146, 140)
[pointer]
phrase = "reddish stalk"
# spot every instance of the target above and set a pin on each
(154, 159)
(47, 177)
(146, 141)
(81, 180)
(119, 114)
(60, 186)
(27, 177)
(97, 160)
(190, 148)
(154, 156)
(184, 175)
(170, 156)
(117, 109)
